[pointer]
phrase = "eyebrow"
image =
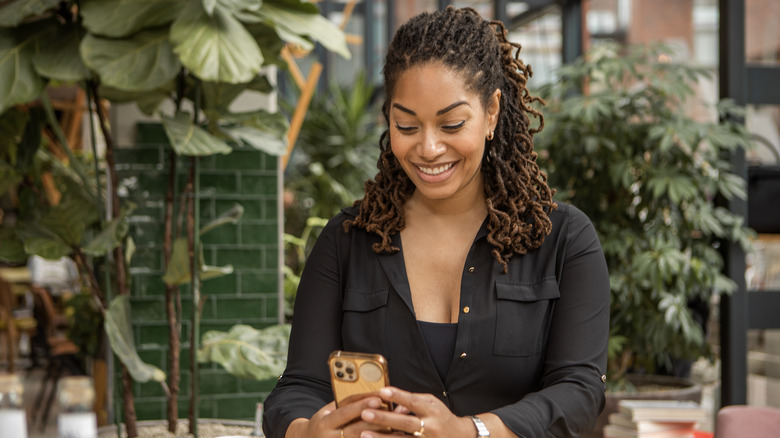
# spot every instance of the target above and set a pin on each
(438, 113)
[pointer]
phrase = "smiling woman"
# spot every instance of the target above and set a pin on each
(489, 301)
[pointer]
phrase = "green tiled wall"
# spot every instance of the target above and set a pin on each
(249, 295)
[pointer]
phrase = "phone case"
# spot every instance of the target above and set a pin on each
(356, 373)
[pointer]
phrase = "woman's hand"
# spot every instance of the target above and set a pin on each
(333, 422)
(429, 416)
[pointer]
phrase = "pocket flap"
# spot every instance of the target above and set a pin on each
(546, 289)
(364, 302)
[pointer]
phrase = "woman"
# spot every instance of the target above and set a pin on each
(489, 301)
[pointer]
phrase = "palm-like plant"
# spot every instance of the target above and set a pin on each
(620, 144)
(336, 151)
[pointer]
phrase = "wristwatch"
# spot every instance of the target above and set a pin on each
(482, 430)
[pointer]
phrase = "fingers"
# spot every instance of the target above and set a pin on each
(420, 404)
(383, 420)
(330, 419)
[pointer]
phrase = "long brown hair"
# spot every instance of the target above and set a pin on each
(518, 198)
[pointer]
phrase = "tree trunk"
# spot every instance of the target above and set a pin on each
(171, 292)
(119, 256)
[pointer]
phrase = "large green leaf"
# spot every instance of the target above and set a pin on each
(178, 270)
(248, 352)
(121, 18)
(42, 242)
(142, 62)
(215, 48)
(69, 218)
(148, 101)
(191, 140)
(231, 6)
(289, 21)
(217, 96)
(19, 83)
(231, 216)
(12, 128)
(59, 56)
(12, 248)
(262, 130)
(109, 237)
(120, 336)
(9, 177)
(14, 12)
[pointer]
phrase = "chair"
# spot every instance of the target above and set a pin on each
(11, 324)
(748, 421)
(60, 354)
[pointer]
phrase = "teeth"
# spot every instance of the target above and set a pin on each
(435, 170)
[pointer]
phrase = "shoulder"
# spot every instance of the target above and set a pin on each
(572, 228)
(568, 215)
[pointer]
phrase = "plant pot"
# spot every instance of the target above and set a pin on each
(649, 387)
(207, 428)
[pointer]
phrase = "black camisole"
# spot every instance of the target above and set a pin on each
(440, 340)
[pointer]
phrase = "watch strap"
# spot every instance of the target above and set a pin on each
(482, 430)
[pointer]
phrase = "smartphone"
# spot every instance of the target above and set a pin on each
(357, 373)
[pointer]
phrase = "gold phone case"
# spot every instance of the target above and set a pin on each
(356, 373)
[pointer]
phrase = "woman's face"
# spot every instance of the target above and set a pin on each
(438, 130)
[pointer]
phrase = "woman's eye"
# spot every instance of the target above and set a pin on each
(454, 127)
(405, 129)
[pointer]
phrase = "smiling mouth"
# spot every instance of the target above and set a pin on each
(435, 170)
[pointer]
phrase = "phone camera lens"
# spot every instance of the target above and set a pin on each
(339, 364)
(350, 370)
(339, 374)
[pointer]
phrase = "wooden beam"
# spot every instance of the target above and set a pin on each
(307, 92)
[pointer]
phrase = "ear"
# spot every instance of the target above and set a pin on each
(493, 108)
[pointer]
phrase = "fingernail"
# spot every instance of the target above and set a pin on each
(368, 415)
(365, 435)
(374, 403)
(385, 392)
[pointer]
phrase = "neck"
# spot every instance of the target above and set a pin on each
(464, 206)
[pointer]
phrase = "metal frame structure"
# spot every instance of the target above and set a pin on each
(742, 311)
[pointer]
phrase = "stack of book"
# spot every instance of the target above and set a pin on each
(655, 419)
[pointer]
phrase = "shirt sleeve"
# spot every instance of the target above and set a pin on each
(304, 387)
(572, 390)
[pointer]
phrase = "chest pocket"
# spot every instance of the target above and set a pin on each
(364, 315)
(523, 317)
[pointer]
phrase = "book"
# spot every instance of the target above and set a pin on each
(649, 426)
(662, 410)
(615, 431)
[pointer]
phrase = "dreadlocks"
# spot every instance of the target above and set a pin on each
(518, 198)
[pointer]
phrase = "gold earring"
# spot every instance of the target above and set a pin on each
(490, 136)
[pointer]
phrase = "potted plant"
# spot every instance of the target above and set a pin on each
(197, 56)
(626, 142)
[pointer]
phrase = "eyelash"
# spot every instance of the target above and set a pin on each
(410, 129)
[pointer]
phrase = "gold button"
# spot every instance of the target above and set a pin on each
(466, 309)
(471, 269)
(463, 355)
(444, 393)
(603, 378)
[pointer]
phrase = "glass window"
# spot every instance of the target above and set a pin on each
(762, 31)
(540, 37)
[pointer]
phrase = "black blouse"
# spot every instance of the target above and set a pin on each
(531, 345)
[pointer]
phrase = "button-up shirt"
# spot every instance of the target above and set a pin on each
(531, 344)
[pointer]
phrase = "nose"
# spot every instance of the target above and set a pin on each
(431, 146)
